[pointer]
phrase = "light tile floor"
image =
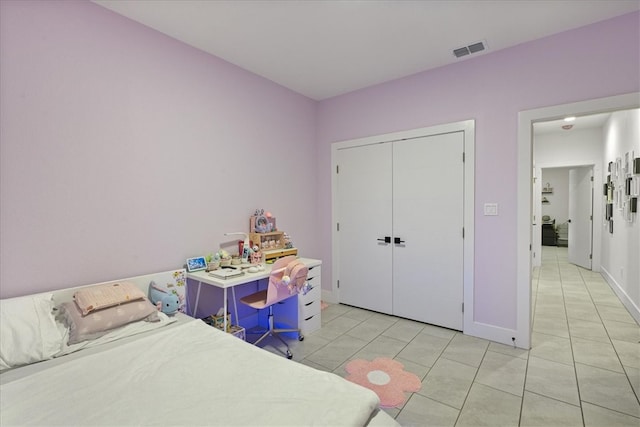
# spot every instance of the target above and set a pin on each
(583, 368)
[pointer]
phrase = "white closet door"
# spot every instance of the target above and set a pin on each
(364, 214)
(428, 208)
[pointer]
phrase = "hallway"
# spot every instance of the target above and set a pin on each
(584, 344)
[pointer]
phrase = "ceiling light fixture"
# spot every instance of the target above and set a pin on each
(569, 119)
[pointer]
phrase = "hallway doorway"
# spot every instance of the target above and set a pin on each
(567, 163)
(565, 207)
(524, 236)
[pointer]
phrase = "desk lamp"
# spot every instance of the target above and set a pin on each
(245, 247)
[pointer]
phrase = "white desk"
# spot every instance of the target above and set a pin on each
(204, 277)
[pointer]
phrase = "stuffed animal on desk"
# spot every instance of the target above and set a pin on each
(255, 257)
(166, 302)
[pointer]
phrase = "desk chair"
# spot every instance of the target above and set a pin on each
(287, 278)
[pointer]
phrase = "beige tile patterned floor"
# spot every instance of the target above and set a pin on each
(583, 368)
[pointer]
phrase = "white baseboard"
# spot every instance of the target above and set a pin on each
(631, 306)
(475, 329)
(497, 334)
(329, 297)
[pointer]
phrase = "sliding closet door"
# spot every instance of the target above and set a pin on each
(364, 217)
(428, 207)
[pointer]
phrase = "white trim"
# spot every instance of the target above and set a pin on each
(330, 296)
(634, 310)
(469, 224)
(494, 333)
(466, 126)
(524, 190)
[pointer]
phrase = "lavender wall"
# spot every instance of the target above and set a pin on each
(115, 140)
(599, 60)
(123, 152)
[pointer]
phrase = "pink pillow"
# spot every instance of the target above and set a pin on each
(100, 322)
(103, 296)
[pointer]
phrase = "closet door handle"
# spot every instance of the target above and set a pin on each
(387, 239)
(397, 240)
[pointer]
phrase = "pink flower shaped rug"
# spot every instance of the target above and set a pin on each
(386, 377)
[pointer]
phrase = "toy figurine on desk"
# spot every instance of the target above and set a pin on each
(255, 258)
(262, 222)
(225, 258)
(287, 241)
(255, 255)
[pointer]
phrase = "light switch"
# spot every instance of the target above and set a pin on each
(490, 209)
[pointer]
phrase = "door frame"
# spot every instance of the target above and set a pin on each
(524, 196)
(468, 128)
(536, 228)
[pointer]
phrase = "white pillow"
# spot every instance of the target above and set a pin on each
(28, 331)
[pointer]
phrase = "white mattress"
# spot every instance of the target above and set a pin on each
(186, 374)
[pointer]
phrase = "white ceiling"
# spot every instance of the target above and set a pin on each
(326, 48)
(580, 123)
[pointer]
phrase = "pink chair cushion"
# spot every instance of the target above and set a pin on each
(256, 300)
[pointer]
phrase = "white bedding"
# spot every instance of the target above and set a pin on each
(188, 374)
(115, 337)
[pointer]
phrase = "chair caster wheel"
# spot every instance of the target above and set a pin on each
(289, 355)
(301, 338)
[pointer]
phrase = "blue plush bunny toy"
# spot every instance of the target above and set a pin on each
(166, 302)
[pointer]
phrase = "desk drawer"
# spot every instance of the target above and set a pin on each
(314, 272)
(309, 309)
(312, 295)
(309, 314)
(310, 324)
(314, 279)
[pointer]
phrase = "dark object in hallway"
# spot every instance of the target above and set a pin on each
(549, 236)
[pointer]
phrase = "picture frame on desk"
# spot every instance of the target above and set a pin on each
(196, 264)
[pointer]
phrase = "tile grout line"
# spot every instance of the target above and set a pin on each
(471, 386)
(570, 284)
(573, 355)
(633, 390)
(526, 369)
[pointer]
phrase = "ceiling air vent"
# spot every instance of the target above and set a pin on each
(466, 50)
(461, 52)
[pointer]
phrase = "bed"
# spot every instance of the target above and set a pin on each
(170, 371)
